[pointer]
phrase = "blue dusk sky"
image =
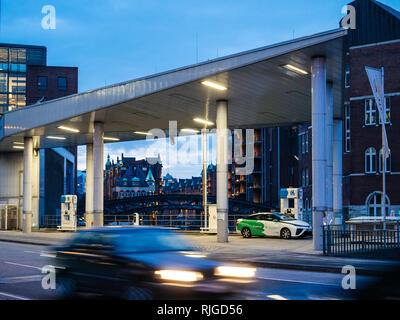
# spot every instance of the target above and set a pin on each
(111, 41)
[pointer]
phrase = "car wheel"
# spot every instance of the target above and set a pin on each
(285, 233)
(65, 287)
(246, 233)
(137, 293)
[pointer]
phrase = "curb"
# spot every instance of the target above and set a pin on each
(39, 242)
(307, 267)
(261, 264)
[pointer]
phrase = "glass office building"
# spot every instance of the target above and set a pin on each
(14, 60)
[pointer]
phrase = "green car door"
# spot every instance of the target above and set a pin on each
(255, 224)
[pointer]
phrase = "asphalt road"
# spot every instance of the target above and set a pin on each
(21, 277)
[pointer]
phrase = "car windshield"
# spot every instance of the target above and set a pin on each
(283, 217)
(150, 240)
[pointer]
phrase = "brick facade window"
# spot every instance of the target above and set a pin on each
(347, 77)
(370, 112)
(42, 83)
(347, 127)
(387, 160)
(387, 111)
(62, 83)
(374, 204)
(370, 160)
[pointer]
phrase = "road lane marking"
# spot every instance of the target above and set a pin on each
(13, 296)
(300, 281)
(37, 252)
(23, 265)
(20, 279)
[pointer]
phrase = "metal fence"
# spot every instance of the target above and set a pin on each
(180, 221)
(343, 240)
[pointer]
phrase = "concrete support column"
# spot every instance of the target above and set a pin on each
(222, 171)
(98, 185)
(318, 91)
(329, 153)
(89, 186)
(338, 171)
(27, 185)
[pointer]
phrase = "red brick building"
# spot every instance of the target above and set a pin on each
(47, 83)
(374, 45)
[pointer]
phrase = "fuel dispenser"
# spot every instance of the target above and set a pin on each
(210, 220)
(68, 213)
(292, 202)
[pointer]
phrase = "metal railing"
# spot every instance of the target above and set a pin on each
(50, 221)
(343, 240)
(167, 220)
(179, 221)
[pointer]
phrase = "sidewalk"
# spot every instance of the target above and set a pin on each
(295, 254)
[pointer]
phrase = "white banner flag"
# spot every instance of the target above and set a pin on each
(375, 80)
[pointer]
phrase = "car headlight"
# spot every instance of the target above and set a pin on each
(237, 272)
(179, 275)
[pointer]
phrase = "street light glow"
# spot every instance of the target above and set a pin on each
(213, 85)
(68, 129)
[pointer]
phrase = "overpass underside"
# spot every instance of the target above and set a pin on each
(298, 81)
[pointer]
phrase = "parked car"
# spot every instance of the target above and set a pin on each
(272, 224)
(143, 263)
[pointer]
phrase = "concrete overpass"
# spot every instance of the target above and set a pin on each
(292, 82)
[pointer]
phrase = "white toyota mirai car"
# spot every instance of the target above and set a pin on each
(272, 224)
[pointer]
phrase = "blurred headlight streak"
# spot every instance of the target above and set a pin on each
(237, 272)
(179, 275)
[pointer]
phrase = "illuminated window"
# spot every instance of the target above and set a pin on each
(370, 112)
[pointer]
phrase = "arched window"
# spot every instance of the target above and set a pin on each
(370, 160)
(387, 160)
(374, 204)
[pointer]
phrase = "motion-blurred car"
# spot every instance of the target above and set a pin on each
(272, 224)
(142, 263)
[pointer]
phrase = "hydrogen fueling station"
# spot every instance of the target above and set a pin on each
(297, 81)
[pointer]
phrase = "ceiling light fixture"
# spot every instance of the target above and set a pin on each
(203, 121)
(294, 69)
(68, 129)
(56, 138)
(213, 85)
(188, 130)
(110, 139)
(18, 147)
(143, 133)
